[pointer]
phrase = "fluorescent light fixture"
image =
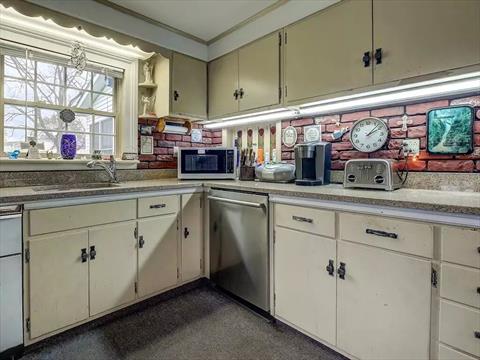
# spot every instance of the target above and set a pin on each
(447, 86)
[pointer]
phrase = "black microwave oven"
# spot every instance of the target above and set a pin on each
(207, 163)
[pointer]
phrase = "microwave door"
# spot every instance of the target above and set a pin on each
(206, 163)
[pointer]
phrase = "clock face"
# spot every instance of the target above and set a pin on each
(369, 134)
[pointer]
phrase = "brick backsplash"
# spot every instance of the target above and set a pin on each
(342, 150)
(162, 157)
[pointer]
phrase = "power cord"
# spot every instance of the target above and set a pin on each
(403, 174)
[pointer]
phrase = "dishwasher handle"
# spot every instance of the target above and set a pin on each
(237, 202)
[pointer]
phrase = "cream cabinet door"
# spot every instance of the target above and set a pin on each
(192, 236)
(323, 53)
(189, 86)
(259, 73)
(305, 293)
(425, 36)
(157, 254)
(223, 85)
(58, 281)
(383, 304)
(113, 266)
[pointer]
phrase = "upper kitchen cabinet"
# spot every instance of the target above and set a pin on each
(259, 73)
(424, 36)
(245, 79)
(325, 52)
(189, 86)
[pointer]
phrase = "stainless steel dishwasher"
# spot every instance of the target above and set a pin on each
(239, 245)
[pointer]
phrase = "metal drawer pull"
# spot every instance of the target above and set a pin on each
(237, 202)
(84, 255)
(93, 252)
(158, 206)
(141, 242)
(342, 271)
(478, 290)
(477, 334)
(186, 232)
(302, 219)
(330, 268)
(382, 233)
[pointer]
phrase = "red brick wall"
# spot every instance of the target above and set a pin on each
(342, 150)
(162, 157)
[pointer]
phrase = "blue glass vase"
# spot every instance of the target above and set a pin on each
(68, 146)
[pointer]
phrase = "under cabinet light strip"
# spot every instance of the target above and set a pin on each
(454, 85)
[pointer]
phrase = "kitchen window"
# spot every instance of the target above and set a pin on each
(36, 88)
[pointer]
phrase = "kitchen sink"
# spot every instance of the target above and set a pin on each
(75, 187)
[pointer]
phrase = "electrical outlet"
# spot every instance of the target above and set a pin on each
(411, 147)
(175, 151)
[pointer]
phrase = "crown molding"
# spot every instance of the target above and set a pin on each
(133, 13)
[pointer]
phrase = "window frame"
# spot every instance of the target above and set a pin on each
(39, 105)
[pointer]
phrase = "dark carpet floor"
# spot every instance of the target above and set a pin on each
(200, 323)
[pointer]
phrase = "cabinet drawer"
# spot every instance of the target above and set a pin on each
(405, 236)
(458, 325)
(45, 221)
(316, 221)
(447, 353)
(157, 205)
(460, 284)
(461, 246)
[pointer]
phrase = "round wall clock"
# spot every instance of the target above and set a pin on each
(369, 134)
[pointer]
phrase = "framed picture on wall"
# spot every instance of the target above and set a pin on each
(450, 130)
(146, 145)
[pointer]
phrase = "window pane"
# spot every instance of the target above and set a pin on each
(104, 125)
(83, 143)
(104, 143)
(15, 116)
(17, 67)
(102, 83)
(79, 99)
(50, 140)
(13, 138)
(50, 73)
(103, 102)
(79, 81)
(50, 94)
(82, 123)
(49, 120)
(15, 89)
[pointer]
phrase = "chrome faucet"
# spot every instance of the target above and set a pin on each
(110, 168)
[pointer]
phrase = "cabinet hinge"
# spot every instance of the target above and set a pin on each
(135, 232)
(434, 278)
(136, 287)
(27, 255)
(28, 324)
(285, 38)
(279, 39)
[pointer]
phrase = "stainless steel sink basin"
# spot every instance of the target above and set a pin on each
(75, 187)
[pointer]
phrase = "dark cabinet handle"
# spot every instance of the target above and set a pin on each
(241, 93)
(302, 219)
(235, 94)
(141, 242)
(93, 252)
(366, 59)
(341, 271)
(175, 95)
(378, 56)
(381, 233)
(478, 249)
(84, 255)
(477, 334)
(157, 206)
(186, 233)
(478, 290)
(330, 268)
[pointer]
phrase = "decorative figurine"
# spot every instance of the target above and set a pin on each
(147, 102)
(147, 73)
(33, 152)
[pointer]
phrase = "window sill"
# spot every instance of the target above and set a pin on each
(56, 164)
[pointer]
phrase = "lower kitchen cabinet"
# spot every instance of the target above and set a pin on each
(383, 304)
(157, 254)
(113, 266)
(58, 281)
(305, 290)
(192, 236)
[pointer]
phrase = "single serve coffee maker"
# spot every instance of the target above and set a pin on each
(312, 163)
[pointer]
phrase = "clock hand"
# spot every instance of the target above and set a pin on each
(373, 130)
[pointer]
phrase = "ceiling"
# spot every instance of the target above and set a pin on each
(202, 19)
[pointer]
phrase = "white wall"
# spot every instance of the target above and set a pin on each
(97, 13)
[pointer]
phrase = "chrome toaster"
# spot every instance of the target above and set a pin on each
(372, 174)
